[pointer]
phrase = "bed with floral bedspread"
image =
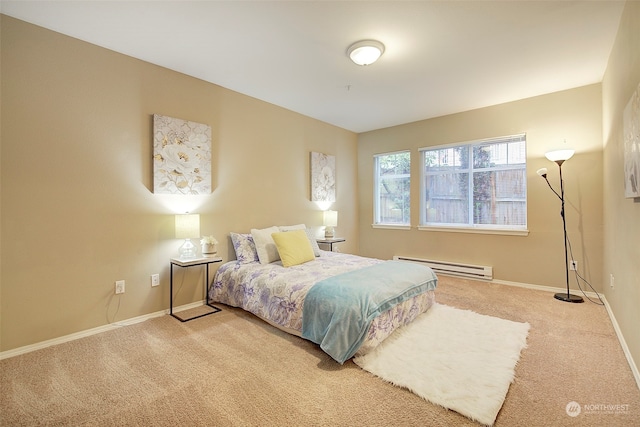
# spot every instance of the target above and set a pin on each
(277, 294)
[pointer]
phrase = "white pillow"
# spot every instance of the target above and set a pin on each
(292, 227)
(265, 246)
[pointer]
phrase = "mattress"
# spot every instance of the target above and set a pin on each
(276, 294)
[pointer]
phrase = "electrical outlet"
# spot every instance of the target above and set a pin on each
(120, 287)
(611, 280)
(573, 265)
(155, 279)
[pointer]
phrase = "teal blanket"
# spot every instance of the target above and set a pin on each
(338, 311)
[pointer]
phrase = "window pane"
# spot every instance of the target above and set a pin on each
(482, 184)
(499, 154)
(499, 198)
(446, 159)
(447, 198)
(393, 182)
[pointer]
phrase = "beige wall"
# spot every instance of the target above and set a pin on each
(78, 210)
(538, 258)
(621, 215)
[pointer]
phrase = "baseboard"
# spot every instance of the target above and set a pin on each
(93, 331)
(623, 343)
(543, 288)
(614, 322)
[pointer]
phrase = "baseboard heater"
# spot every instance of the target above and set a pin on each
(453, 268)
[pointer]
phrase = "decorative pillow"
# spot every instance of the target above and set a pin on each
(312, 239)
(244, 247)
(265, 246)
(310, 235)
(294, 247)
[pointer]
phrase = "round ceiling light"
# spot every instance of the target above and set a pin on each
(365, 52)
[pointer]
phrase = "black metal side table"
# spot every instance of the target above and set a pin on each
(191, 263)
(331, 241)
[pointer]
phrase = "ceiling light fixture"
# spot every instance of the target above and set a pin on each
(365, 52)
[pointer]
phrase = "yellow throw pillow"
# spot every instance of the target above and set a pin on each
(294, 247)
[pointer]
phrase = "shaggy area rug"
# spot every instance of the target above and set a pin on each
(455, 358)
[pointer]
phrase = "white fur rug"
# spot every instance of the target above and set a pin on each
(455, 358)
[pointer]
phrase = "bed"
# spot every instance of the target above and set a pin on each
(345, 303)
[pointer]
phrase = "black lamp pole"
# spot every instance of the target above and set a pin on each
(561, 295)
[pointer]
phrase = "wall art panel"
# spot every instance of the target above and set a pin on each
(181, 156)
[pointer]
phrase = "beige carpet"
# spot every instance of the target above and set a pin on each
(233, 369)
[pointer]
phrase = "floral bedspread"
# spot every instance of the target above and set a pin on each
(276, 294)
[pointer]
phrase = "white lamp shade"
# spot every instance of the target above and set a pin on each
(330, 218)
(365, 52)
(187, 226)
(559, 155)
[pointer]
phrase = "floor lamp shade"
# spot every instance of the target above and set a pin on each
(187, 228)
(559, 155)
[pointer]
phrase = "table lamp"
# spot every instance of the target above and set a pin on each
(330, 221)
(187, 228)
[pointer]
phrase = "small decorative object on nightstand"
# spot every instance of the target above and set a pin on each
(191, 263)
(331, 241)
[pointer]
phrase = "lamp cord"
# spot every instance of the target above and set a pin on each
(579, 277)
(568, 241)
(116, 313)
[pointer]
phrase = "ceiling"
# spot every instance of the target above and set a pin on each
(441, 57)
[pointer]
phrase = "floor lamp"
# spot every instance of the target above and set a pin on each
(560, 156)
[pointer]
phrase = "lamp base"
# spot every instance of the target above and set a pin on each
(568, 297)
(187, 250)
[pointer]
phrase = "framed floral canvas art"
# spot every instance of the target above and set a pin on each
(631, 124)
(323, 177)
(181, 156)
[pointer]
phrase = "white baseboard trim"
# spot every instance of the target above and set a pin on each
(93, 331)
(543, 288)
(623, 343)
(614, 322)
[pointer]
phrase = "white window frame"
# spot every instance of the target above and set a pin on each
(376, 193)
(470, 227)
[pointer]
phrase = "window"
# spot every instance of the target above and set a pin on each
(481, 184)
(391, 186)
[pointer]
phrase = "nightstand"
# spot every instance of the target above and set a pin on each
(331, 241)
(192, 263)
